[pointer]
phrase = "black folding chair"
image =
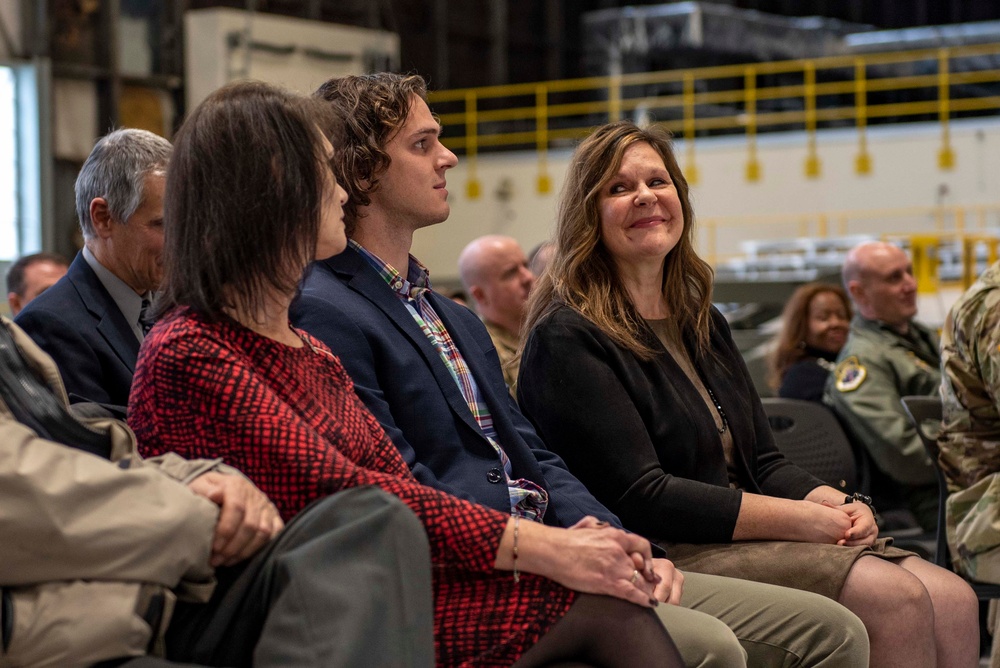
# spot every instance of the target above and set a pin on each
(809, 435)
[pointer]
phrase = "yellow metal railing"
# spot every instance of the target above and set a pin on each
(969, 229)
(926, 250)
(747, 98)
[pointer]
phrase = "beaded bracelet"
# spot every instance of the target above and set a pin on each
(861, 498)
(517, 576)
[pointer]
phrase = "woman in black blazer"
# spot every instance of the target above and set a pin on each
(632, 376)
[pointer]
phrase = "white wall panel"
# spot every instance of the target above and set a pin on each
(294, 53)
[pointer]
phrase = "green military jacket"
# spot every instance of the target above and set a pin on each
(876, 367)
(970, 437)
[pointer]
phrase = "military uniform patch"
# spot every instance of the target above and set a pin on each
(922, 365)
(850, 374)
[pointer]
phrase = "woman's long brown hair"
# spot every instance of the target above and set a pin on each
(582, 273)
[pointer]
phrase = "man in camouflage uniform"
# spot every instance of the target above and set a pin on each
(970, 439)
(887, 356)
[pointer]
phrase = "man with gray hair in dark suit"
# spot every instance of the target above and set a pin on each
(92, 321)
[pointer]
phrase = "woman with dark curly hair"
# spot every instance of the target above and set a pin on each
(250, 201)
(632, 376)
(814, 327)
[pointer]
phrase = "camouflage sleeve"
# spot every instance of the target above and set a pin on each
(863, 391)
(988, 348)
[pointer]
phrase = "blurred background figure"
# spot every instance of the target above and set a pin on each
(814, 328)
(538, 258)
(495, 273)
(458, 296)
(30, 276)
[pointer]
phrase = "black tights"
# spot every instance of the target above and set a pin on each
(607, 632)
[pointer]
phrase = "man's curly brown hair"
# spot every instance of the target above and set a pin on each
(373, 108)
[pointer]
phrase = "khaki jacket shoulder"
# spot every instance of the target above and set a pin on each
(506, 345)
(93, 538)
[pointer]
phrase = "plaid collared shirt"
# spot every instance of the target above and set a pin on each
(527, 499)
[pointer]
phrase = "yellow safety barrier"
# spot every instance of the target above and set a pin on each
(970, 245)
(924, 255)
(863, 161)
(751, 98)
(750, 85)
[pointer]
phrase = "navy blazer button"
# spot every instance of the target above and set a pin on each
(494, 476)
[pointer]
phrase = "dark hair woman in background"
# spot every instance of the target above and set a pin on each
(632, 377)
(814, 327)
(250, 201)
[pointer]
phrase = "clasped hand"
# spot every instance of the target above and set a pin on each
(606, 560)
(849, 524)
(247, 518)
(863, 529)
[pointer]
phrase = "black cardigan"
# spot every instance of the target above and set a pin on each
(639, 435)
(806, 379)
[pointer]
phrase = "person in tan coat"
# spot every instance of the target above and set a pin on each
(96, 555)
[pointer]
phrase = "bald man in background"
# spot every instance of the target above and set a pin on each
(494, 270)
(888, 355)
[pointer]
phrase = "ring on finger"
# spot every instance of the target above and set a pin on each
(635, 577)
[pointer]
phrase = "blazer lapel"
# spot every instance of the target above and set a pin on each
(120, 337)
(363, 279)
(522, 460)
(463, 338)
(111, 324)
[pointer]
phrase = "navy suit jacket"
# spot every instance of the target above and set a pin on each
(78, 323)
(401, 378)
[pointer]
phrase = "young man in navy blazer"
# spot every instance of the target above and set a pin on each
(427, 369)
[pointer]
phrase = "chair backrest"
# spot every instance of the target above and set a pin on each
(921, 410)
(809, 435)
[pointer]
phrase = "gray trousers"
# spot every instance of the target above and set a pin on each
(724, 622)
(347, 583)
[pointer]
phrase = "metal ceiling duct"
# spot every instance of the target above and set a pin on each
(692, 34)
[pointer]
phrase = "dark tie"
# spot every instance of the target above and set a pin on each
(145, 316)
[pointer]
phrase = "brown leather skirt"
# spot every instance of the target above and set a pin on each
(814, 567)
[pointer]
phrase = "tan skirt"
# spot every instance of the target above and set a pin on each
(814, 567)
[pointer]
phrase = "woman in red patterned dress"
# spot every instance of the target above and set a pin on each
(250, 201)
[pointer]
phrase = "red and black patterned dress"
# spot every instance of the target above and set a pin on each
(289, 419)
